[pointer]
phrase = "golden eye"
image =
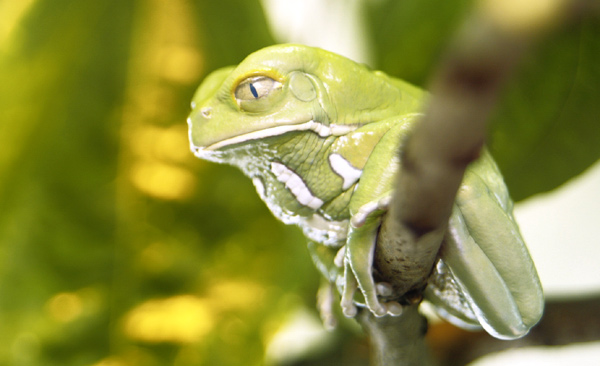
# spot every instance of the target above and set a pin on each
(254, 93)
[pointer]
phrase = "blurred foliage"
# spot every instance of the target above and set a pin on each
(117, 247)
(546, 129)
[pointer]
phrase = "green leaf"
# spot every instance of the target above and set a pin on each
(546, 129)
(408, 36)
(230, 30)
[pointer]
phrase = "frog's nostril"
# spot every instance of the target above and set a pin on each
(206, 112)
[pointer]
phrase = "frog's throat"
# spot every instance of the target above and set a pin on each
(317, 127)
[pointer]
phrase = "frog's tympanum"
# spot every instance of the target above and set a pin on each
(320, 136)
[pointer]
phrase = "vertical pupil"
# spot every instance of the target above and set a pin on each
(253, 90)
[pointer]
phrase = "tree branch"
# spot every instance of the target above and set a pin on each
(449, 137)
(397, 340)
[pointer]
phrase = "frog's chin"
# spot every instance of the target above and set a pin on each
(319, 128)
(202, 153)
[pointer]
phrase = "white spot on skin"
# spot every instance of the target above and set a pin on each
(260, 187)
(367, 209)
(360, 218)
(344, 169)
(336, 230)
(296, 185)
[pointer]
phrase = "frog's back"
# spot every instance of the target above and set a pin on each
(408, 89)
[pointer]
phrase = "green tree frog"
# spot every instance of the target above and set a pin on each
(320, 135)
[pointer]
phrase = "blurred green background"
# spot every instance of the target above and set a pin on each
(118, 248)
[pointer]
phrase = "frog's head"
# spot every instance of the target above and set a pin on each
(283, 89)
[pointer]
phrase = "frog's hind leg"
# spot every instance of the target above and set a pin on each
(488, 258)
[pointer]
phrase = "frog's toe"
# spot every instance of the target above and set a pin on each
(350, 287)
(373, 303)
(393, 308)
(340, 257)
(384, 202)
(384, 289)
(379, 311)
(348, 307)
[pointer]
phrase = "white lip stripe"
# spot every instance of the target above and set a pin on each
(296, 185)
(344, 169)
(321, 129)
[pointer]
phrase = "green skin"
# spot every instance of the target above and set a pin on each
(319, 136)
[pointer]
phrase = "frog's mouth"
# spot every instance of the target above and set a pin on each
(314, 126)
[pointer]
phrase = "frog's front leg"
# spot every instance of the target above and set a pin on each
(325, 301)
(367, 207)
(359, 252)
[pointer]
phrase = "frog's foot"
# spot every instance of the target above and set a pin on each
(385, 289)
(350, 287)
(366, 210)
(377, 307)
(350, 310)
(363, 281)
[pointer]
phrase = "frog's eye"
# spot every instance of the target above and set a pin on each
(257, 93)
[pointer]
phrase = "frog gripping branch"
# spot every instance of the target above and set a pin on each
(319, 135)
